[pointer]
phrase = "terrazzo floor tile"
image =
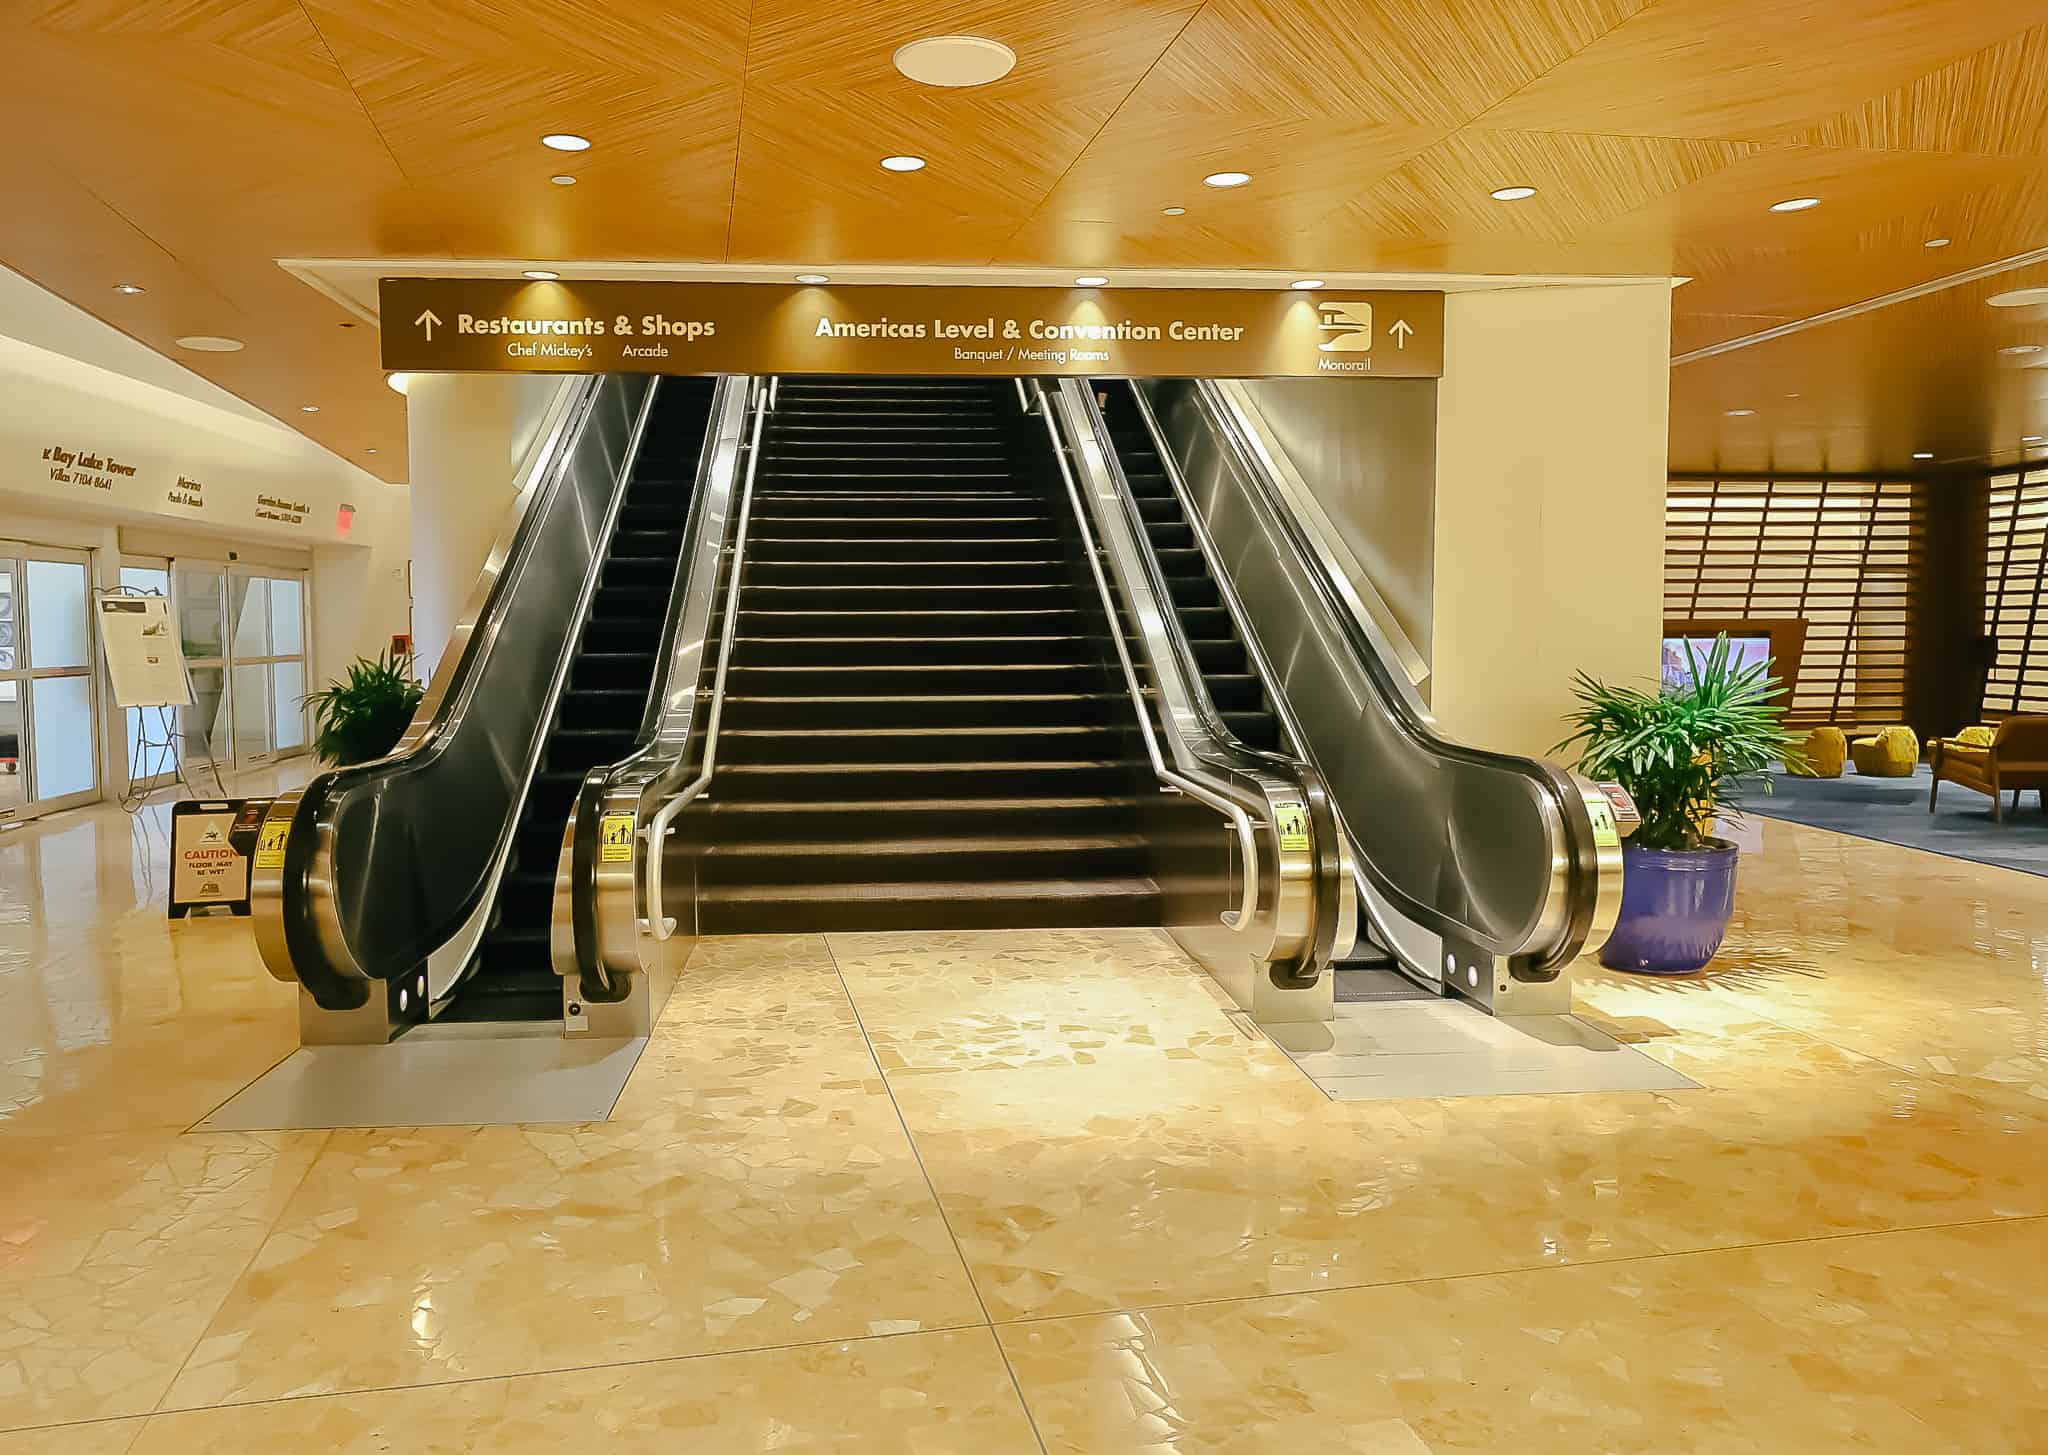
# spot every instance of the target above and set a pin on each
(115, 1250)
(1840, 1344)
(737, 1218)
(912, 1394)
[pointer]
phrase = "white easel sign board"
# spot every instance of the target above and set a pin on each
(145, 660)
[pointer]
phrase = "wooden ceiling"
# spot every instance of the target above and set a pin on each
(185, 145)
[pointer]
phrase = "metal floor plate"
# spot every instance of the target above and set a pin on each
(1389, 1050)
(417, 1080)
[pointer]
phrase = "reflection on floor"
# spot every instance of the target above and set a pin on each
(1022, 1192)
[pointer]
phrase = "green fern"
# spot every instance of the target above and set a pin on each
(363, 715)
(1683, 754)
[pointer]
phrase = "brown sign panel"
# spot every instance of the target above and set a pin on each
(497, 325)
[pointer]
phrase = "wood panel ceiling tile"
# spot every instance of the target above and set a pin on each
(1858, 190)
(1582, 182)
(1417, 63)
(690, 44)
(1873, 389)
(1994, 100)
(810, 175)
(1754, 68)
(1303, 169)
(1086, 56)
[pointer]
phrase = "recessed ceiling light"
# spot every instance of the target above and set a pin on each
(1174, 211)
(130, 288)
(812, 278)
(309, 409)
(2021, 349)
(1740, 413)
(563, 179)
(565, 141)
(400, 382)
(1792, 396)
(2033, 439)
(207, 343)
(1306, 283)
(371, 450)
(2018, 298)
(1923, 454)
(542, 275)
(1935, 242)
(955, 60)
(1226, 179)
(1795, 204)
(902, 164)
(1511, 194)
(1091, 280)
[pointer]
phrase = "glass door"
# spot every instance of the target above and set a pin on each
(245, 635)
(49, 720)
(267, 664)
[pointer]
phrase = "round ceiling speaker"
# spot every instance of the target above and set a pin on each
(955, 60)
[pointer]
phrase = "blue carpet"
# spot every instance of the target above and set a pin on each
(1894, 811)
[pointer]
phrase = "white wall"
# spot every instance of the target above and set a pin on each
(468, 434)
(165, 463)
(1551, 450)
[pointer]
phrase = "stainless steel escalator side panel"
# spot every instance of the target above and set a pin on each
(599, 940)
(1293, 905)
(1492, 852)
(385, 865)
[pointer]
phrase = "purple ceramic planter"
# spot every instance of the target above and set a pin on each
(1675, 905)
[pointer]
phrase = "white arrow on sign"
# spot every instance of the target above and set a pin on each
(1400, 329)
(427, 320)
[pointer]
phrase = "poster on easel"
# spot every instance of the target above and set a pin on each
(145, 660)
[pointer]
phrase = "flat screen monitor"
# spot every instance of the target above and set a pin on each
(1747, 652)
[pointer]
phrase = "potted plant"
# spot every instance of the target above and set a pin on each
(363, 715)
(1684, 754)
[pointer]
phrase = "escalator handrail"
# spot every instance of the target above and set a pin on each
(649, 843)
(1233, 800)
(297, 905)
(576, 919)
(1569, 913)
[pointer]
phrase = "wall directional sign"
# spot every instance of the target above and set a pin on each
(480, 325)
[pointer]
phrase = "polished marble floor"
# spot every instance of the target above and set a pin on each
(1035, 1192)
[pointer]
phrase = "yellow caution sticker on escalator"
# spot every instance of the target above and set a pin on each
(1606, 833)
(270, 842)
(1292, 820)
(615, 839)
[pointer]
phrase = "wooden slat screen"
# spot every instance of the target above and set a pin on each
(1841, 553)
(2016, 595)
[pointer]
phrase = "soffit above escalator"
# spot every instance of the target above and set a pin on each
(185, 145)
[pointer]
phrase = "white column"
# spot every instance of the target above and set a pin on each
(1551, 468)
(466, 434)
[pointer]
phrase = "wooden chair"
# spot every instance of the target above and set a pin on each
(2015, 758)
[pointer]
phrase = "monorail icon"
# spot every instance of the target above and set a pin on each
(1348, 327)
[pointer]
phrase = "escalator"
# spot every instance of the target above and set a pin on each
(1480, 871)
(418, 886)
(920, 727)
(614, 666)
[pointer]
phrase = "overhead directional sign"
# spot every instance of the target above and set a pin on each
(513, 325)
